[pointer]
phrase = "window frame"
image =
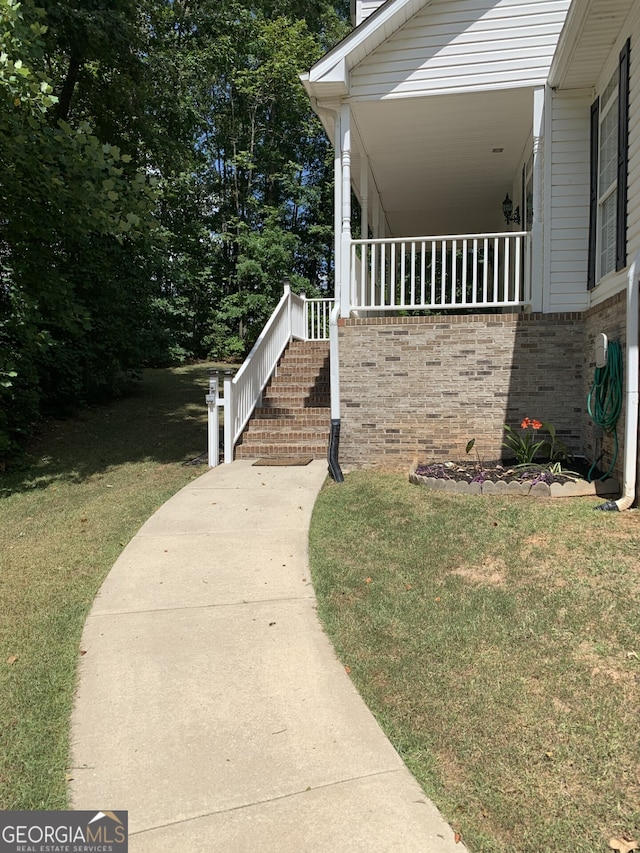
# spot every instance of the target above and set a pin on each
(598, 197)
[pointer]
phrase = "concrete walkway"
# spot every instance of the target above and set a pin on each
(210, 703)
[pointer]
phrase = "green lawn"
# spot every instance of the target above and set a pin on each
(496, 640)
(498, 643)
(87, 487)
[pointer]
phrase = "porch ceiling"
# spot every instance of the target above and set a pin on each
(433, 159)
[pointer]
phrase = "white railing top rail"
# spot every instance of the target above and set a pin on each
(262, 337)
(293, 317)
(439, 238)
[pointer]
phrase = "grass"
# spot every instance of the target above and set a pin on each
(498, 643)
(87, 487)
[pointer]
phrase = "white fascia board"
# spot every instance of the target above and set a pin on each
(371, 33)
(568, 40)
(334, 81)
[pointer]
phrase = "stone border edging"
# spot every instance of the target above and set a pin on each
(571, 489)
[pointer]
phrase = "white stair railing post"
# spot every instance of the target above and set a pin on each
(286, 286)
(305, 314)
(213, 423)
(229, 416)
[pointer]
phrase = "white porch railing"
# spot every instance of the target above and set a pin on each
(318, 312)
(469, 271)
(294, 317)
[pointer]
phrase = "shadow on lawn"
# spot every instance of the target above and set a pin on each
(162, 419)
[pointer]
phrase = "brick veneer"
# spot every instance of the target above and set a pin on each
(418, 388)
(610, 318)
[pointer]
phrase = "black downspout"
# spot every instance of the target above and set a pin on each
(334, 445)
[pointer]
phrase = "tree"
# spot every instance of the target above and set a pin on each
(74, 213)
(160, 172)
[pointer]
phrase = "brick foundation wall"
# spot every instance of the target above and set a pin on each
(418, 388)
(610, 318)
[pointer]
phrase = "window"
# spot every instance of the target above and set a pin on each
(609, 160)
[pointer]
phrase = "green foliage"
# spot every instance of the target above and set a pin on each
(526, 447)
(160, 172)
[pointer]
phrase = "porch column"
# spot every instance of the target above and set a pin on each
(375, 217)
(537, 243)
(337, 210)
(364, 222)
(364, 197)
(345, 243)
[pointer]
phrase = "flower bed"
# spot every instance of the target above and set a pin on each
(503, 478)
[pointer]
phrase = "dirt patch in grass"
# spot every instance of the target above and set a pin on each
(491, 572)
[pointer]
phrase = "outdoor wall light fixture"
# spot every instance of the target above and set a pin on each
(510, 214)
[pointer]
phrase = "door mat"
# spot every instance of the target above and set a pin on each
(287, 460)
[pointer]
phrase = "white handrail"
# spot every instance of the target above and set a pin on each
(244, 391)
(293, 317)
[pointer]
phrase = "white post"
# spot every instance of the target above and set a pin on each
(307, 321)
(228, 417)
(286, 284)
(536, 268)
(364, 197)
(345, 241)
(213, 428)
(337, 210)
(364, 227)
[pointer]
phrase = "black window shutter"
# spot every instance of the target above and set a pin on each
(593, 197)
(623, 158)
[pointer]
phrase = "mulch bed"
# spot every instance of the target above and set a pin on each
(507, 472)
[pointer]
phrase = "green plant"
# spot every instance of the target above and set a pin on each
(526, 447)
(558, 451)
(470, 445)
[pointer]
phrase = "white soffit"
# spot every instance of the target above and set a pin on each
(589, 34)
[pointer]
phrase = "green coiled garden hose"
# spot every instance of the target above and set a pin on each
(604, 402)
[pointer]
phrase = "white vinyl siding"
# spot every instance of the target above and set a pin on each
(569, 226)
(572, 158)
(464, 45)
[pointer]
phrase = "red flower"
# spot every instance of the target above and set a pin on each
(536, 424)
(525, 423)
